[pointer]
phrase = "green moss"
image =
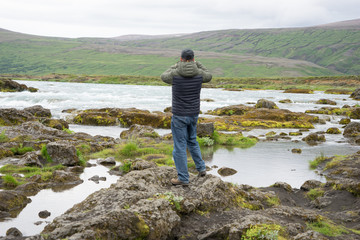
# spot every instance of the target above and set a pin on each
(21, 150)
(45, 172)
(237, 140)
(142, 227)
(314, 163)
(315, 193)
(273, 201)
(264, 231)
(327, 228)
(10, 181)
(3, 137)
(45, 154)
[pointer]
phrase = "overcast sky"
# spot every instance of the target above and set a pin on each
(110, 18)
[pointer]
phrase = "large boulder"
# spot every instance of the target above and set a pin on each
(62, 153)
(326, 101)
(143, 204)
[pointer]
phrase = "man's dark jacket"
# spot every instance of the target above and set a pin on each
(186, 79)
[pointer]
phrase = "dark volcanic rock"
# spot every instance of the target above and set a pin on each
(44, 214)
(8, 85)
(11, 200)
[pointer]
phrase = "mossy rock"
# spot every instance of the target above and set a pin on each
(330, 111)
(4, 152)
(333, 130)
(297, 90)
(314, 138)
(12, 201)
(155, 120)
(95, 119)
(285, 101)
(8, 85)
(296, 150)
(344, 121)
(295, 133)
(230, 110)
(355, 113)
(326, 101)
(59, 124)
(12, 116)
(338, 91)
(263, 103)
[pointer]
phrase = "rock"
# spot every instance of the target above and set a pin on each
(344, 121)
(65, 178)
(314, 138)
(310, 184)
(55, 123)
(28, 189)
(225, 171)
(207, 100)
(106, 161)
(11, 200)
(355, 113)
(296, 150)
(95, 119)
(326, 101)
(338, 91)
(13, 232)
(263, 103)
(140, 164)
(356, 94)
(140, 205)
(230, 110)
(31, 159)
(285, 101)
(12, 116)
(168, 109)
(352, 129)
(310, 235)
(296, 90)
(44, 214)
(333, 130)
(39, 111)
(62, 153)
(8, 85)
(96, 179)
(139, 131)
(284, 186)
(205, 129)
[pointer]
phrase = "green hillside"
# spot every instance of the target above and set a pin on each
(228, 53)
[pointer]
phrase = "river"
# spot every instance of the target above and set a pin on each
(259, 166)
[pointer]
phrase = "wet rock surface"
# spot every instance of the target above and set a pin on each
(145, 204)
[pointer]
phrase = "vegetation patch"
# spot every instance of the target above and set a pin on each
(3, 137)
(236, 139)
(45, 154)
(315, 163)
(315, 193)
(327, 228)
(264, 231)
(10, 182)
(21, 150)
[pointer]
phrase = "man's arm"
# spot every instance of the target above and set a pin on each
(204, 72)
(168, 75)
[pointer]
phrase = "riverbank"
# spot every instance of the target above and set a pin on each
(344, 83)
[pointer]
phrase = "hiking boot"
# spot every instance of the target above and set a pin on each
(176, 182)
(202, 173)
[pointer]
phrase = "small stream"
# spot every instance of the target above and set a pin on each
(259, 166)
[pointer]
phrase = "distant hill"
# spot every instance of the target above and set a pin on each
(330, 49)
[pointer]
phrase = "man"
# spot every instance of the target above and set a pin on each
(186, 78)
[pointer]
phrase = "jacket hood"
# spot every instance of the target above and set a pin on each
(188, 69)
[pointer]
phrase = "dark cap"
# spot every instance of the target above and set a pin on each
(187, 54)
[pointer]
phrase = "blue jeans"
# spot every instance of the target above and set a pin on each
(184, 135)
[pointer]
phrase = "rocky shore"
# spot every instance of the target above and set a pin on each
(40, 152)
